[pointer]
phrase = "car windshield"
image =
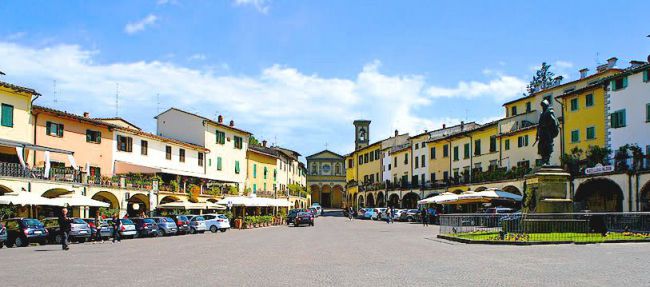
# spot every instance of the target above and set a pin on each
(32, 222)
(295, 211)
(198, 218)
(222, 216)
(127, 221)
(149, 220)
(78, 221)
(166, 219)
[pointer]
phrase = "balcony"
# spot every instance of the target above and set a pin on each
(55, 174)
(518, 122)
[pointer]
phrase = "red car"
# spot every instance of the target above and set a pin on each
(304, 218)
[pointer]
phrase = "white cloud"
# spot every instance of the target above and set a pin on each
(140, 25)
(302, 110)
(262, 6)
(500, 88)
(197, 57)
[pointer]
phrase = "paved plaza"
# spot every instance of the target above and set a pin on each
(333, 253)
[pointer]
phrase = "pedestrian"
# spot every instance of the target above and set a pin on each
(350, 213)
(425, 220)
(115, 221)
(65, 225)
(98, 227)
(433, 215)
(388, 216)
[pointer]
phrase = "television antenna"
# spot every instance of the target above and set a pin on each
(117, 99)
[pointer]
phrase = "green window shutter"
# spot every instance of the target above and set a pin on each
(591, 133)
(218, 163)
(526, 139)
(48, 128)
(60, 131)
(88, 136)
(254, 188)
(612, 85)
(613, 122)
(237, 167)
(254, 171)
(574, 104)
(622, 118)
(507, 144)
(624, 83)
(7, 116)
(99, 137)
(647, 112)
(646, 75)
(575, 136)
(265, 172)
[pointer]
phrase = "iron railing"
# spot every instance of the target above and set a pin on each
(569, 227)
(55, 174)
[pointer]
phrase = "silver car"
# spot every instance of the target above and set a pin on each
(166, 226)
(80, 230)
(197, 224)
(127, 228)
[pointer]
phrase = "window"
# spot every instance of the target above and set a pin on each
(574, 104)
(466, 150)
(144, 147)
(168, 152)
(455, 153)
(372, 156)
(433, 152)
(646, 75)
(93, 136)
(266, 171)
(350, 163)
(619, 84)
(389, 166)
(395, 162)
(200, 159)
(433, 177)
(239, 142)
(528, 107)
(124, 143)
(647, 112)
(417, 145)
(219, 163)
(445, 175)
(254, 188)
(209, 162)
(275, 174)
(493, 144)
(575, 136)
(589, 100)
(417, 161)
(406, 158)
(360, 159)
(7, 115)
(221, 137)
(181, 155)
(445, 151)
(236, 167)
(506, 144)
(591, 133)
(365, 158)
(54, 129)
(423, 159)
(522, 141)
(513, 111)
(477, 147)
(254, 170)
(377, 154)
(618, 119)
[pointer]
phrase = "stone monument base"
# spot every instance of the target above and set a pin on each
(547, 191)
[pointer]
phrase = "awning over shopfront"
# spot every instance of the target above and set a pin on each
(253, 201)
(122, 167)
(191, 205)
(472, 197)
(27, 198)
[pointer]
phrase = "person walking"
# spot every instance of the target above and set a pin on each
(98, 227)
(115, 221)
(388, 216)
(350, 213)
(425, 220)
(65, 225)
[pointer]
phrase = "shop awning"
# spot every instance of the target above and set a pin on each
(10, 143)
(191, 205)
(27, 198)
(253, 201)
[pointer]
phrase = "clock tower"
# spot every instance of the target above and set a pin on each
(361, 134)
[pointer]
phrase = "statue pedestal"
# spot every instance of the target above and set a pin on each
(547, 191)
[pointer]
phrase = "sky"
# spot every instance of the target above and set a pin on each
(298, 73)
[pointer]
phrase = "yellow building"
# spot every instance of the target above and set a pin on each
(518, 149)
(485, 147)
(351, 179)
(262, 173)
(16, 124)
(439, 160)
(402, 166)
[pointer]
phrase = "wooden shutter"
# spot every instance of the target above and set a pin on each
(88, 136)
(48, 127)
(646, 75)
(612, 85)
(622, 118)
(129, 144)
(99, 137)
(60, 130)
(624, 83)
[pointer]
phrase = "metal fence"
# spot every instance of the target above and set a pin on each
(573, 227)
(56, 174)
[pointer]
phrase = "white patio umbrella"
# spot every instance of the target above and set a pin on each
(492, 194)
(445, 198)
(79, 200)
(211, 205)
(26, 198)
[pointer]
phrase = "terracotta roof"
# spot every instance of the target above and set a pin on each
(117, 119)
(263, 150)
(206, 120)
(65, 114)
(19, 88)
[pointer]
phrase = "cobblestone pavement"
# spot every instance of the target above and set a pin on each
(335, 252)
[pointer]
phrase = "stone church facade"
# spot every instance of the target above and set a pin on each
(326, 178)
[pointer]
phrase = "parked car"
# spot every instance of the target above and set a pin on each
(104, 229)
(3, 235)
(398, 214)
(197, 224)
(360, 213)
(127, 229)
(379, 213)
(145, 227)
(293, 213)
(369, 213)
(410, 215)
(182, 223)
(166, 226)
(319, 209)
(304, 218)
(23, 231)
(79, 232)
(216, 222)
(313, 211)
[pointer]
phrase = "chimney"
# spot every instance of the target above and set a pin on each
(444, 126)
(611, 62)
(396, 133)
(583, 73)
(601, 68)
(86, 115)
(232, 123)
(634, 64)
(264, 143)
(426, 131)
(220, 119)
(462, 125)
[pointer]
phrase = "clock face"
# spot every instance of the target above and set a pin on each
(326, 168)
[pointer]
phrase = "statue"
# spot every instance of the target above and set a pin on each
(547, 129)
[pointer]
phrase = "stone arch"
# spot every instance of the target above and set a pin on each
(296, 204)
(512, 189)
(381, 201)
(315, 193)
(480, 188)
(326, 196)
(142, 202)
(432, 194)
(410, 200)
(370, 200)
(361, 202)
(337, 196)
(599, 195)
(55, 192)
(645, 197)
(169, 198)
(110, 198)
(393, 200)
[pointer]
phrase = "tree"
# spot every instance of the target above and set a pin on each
(571, 162)
(597, 155)
(543, 79)
(253, 141)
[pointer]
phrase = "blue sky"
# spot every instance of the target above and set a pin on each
(299, 72)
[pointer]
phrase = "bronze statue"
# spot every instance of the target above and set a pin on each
(547, 129)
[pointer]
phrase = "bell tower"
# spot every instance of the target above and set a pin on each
(361, 134)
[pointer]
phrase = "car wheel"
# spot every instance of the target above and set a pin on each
(213, 229)
(58, 239)
(161, 233)
(223, 230)
(20, 242)
(81, 240)
(2, 244)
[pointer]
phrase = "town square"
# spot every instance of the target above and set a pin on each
(324, 143)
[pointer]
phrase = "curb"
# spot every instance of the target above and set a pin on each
(520, 243)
